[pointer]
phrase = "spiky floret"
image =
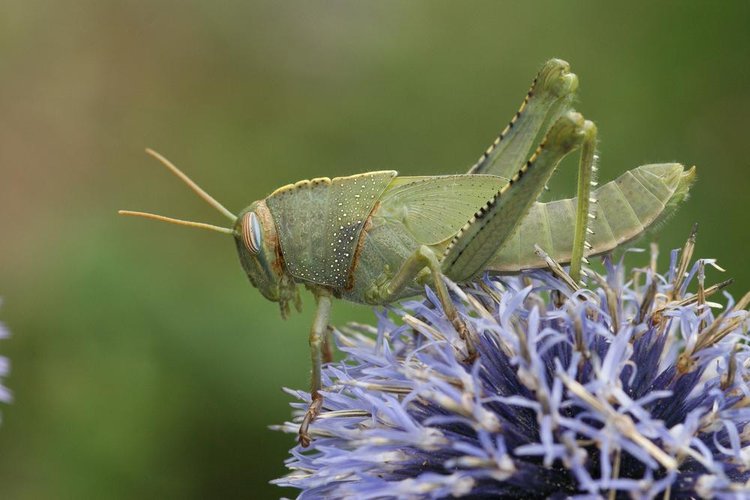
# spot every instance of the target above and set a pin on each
(5, 394)
(629, 387)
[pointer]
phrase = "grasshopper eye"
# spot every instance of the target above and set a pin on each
(251, 232)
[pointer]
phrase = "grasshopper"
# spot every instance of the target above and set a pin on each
(376, 237)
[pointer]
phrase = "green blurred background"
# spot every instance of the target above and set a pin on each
(144, 364)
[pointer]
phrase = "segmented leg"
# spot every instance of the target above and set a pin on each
(328, 345)
(494, 223)
(317, 332)
(549, 97)
(423, 258)
(586, 179)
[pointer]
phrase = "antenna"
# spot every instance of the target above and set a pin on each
(192, 185)
(179, 222)
(200, 192)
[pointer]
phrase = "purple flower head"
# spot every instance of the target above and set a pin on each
(632, 387)
(5, 394)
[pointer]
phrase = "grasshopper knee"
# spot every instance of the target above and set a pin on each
(555, 77)
(569, 132)
(428, 257)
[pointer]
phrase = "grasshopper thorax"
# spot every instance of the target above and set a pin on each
(261, 258)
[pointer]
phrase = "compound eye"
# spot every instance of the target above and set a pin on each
(251, 232)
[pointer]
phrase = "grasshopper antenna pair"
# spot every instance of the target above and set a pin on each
(198, 190)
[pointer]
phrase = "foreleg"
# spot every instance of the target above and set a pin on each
(317, 332)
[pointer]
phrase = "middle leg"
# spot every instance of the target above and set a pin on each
(424, 257)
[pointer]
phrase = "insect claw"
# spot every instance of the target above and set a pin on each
(303, 436)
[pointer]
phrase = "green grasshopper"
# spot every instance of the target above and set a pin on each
(376, 237)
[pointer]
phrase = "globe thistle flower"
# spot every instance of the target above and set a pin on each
(5, 394)
(632, 387)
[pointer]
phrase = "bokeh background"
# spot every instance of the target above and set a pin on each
(144, 364)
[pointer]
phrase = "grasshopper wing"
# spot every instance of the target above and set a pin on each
(637, 200)
(434, 208)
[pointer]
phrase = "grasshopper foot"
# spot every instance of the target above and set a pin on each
(312, 411)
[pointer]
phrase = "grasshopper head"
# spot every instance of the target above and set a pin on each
(261, 258)
(255, 236)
